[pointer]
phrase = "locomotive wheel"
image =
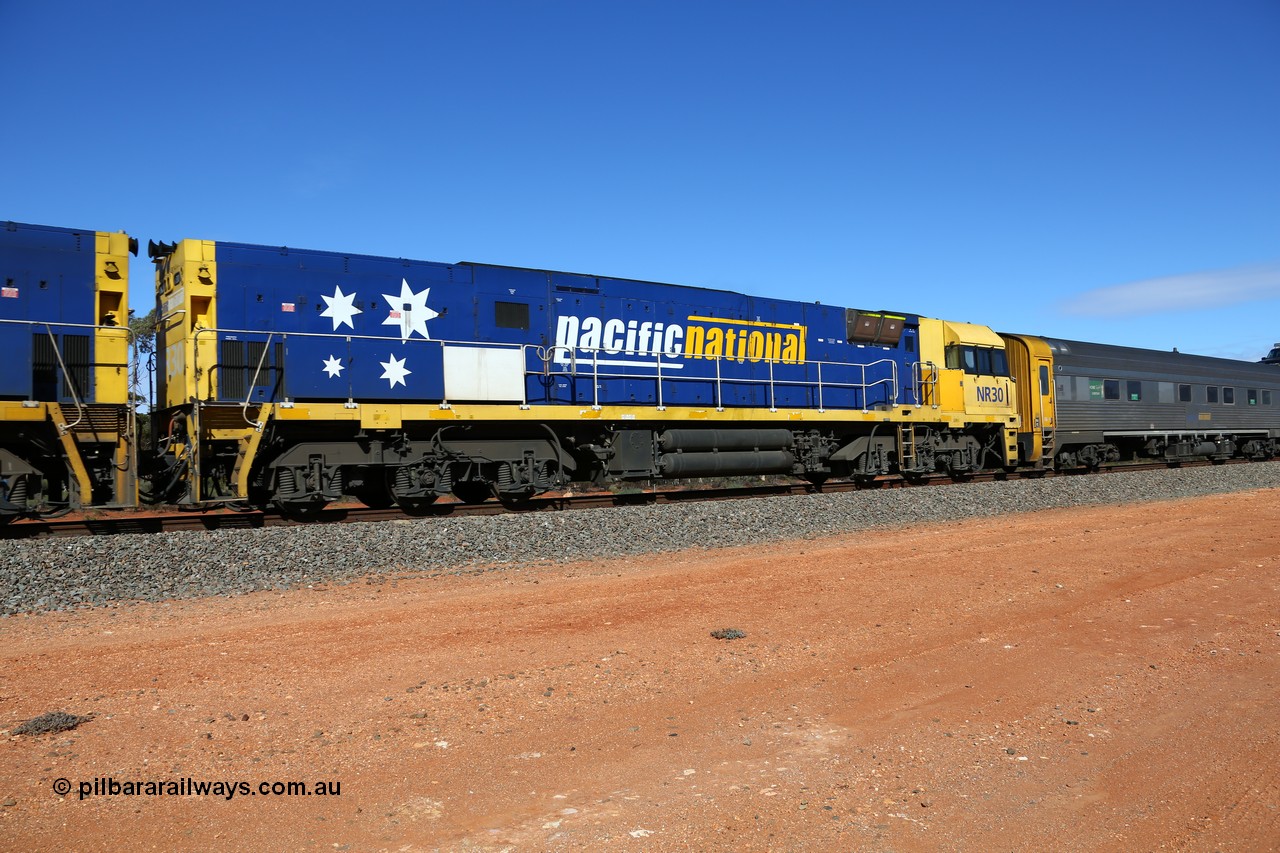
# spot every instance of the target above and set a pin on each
(472, 491)
(375, 495)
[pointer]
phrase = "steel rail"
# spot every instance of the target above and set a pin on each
(110, 522)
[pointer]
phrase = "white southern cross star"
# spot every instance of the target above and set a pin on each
(333, 366)
(394, 370)
(341, 308)
(409, 311)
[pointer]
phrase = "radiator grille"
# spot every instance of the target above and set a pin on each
(238, 362)
(47, 379)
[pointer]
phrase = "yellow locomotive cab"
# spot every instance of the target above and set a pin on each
(974, 386)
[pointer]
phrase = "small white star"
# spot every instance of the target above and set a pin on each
(395, 371)
(409, 311)
(333, 366)
(341, 308)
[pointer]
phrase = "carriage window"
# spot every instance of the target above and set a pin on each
(1252, 396)
(1266, 397)
(1211, 393)
(1135, 392)
(1229, 396)
(1184, 393)
(1111, 389)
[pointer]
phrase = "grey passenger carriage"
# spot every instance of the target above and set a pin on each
(1119, 402)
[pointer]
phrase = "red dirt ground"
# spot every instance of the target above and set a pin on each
(1098, 679)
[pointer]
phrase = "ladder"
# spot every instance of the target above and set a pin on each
(906, 448)
(1047, 446)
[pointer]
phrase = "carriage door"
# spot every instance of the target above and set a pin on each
(1046, 405)
(1031, 365)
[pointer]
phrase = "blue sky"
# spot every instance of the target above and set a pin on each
(1105, 171)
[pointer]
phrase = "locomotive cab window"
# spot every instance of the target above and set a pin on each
(1184, 393)
(978, 361)
(511, 315)
(1111, 389)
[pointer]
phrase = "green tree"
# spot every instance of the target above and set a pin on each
(142, 342)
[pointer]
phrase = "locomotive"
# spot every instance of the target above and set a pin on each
(67, 424)
(283, 384)
(299, 377)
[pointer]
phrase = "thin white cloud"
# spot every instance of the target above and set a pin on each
(1209, 289)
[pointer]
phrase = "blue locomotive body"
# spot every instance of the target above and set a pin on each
(306, 375)
(47, 310)
(298, 325)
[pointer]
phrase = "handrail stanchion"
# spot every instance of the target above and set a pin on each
(821, 408)
(595, 380)
(444, 390)
(351, 399)
(773, 397)
(244, 407)
(524, 376)
(661, 406)
(719, 389)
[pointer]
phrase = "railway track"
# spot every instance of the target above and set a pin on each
(160, 521)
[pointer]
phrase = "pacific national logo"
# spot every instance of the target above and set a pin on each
(701, 337)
